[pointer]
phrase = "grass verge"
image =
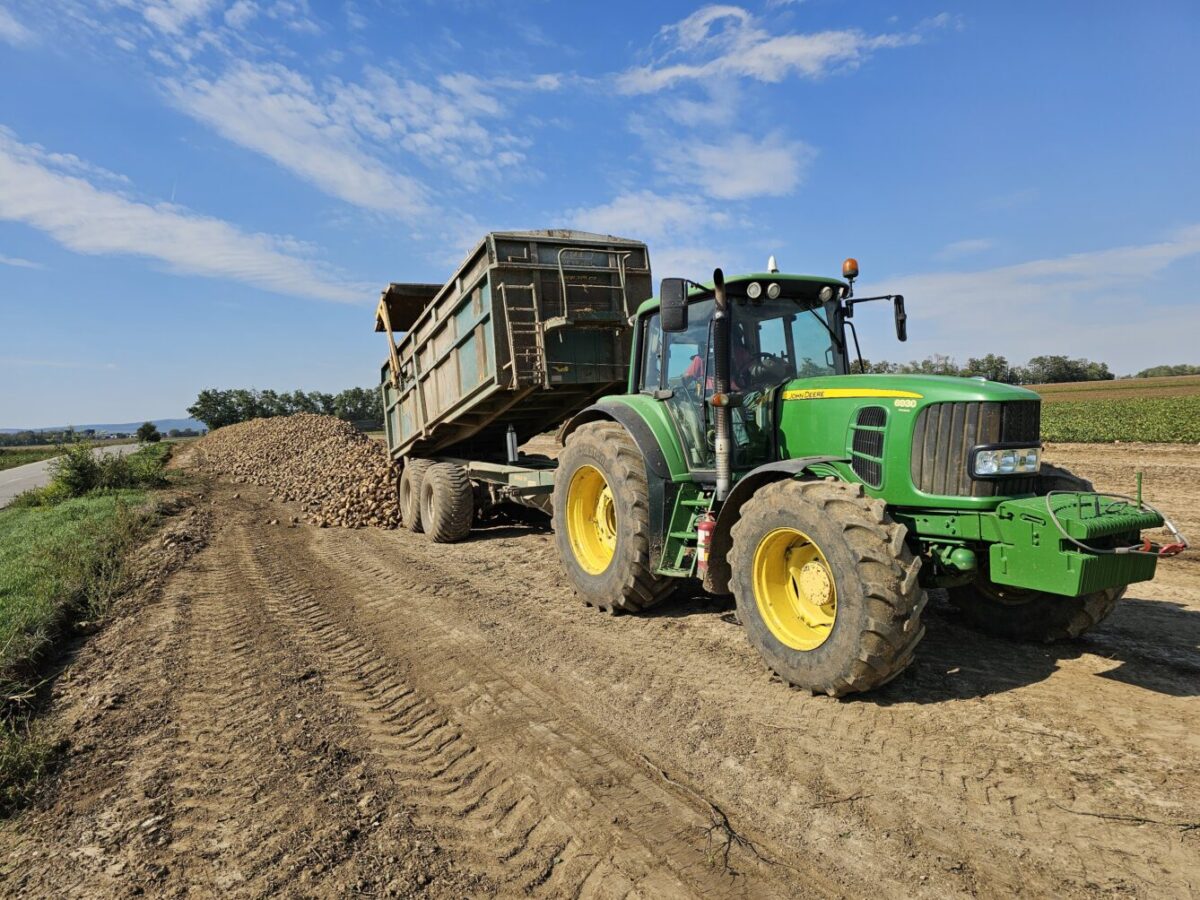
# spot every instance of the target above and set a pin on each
(62, 562)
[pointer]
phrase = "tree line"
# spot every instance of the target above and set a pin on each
(216, 408)
(993, 367)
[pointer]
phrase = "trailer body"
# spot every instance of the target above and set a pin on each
(532, 327)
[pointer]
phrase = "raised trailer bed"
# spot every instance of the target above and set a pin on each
(531, 328)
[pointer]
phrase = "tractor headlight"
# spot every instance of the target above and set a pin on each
(996, 462)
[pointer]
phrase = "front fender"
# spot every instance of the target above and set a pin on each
(716, 581)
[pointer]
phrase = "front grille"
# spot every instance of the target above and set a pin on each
(868, 442)
(867, 457)
(945, 433)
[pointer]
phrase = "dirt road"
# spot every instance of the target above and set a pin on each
(338, 712)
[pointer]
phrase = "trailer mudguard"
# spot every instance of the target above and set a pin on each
(716, 581)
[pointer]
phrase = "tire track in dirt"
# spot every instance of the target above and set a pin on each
(564, 813)
(991, 786)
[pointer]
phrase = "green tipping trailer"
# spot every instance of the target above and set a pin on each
(532, 327)
(746, 454)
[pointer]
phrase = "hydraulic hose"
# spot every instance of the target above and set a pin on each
(1146, 548)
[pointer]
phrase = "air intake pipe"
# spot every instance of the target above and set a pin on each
(722, 412)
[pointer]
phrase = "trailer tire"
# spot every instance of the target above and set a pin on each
(1024, 615)
(409, 491)
(447, 503)
(610, 566)
(826, 586)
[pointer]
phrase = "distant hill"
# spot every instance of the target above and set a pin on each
(163, 425)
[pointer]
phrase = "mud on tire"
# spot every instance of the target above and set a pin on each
(409, 491)
(628, 584)
(447, 504)
(1024, 615)
(879, 602)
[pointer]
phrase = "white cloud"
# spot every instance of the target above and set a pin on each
(278, 113)
(720, 41)
(241, 13)
(646, 215)
(172, 16)
(13, 31)
(35, 190)
(968, 247)
(738, 168)
(17, 262)
(1101, 304)
(449, 125)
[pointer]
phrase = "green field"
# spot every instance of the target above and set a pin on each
(11, 457)
(1151, 410)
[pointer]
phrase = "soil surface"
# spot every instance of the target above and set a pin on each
(333, 712)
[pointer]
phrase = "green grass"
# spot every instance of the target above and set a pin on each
(11, 457)
(1147, 419)
(62, 561)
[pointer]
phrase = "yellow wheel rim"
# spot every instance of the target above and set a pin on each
(794, 589)
(591, 519)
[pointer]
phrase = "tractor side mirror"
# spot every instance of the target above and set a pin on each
(901, 319)
(672, 301)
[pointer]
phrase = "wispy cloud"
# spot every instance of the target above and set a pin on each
(36, 190)
(171, 16)
(1100, 304)
(19, 263)
(276, 112)
(719, 41)
(968, 247)
(738, 168)
(647, 215)
(12, 31)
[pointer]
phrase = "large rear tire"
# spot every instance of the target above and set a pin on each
(410, 491)
(826, 586)
(602, 520)
(447, 503)
(1024, 615)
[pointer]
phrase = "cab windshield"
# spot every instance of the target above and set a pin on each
(776, 340)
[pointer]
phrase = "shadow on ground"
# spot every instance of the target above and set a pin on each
(1154, 643)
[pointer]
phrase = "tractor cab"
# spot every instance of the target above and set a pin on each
(780, 328)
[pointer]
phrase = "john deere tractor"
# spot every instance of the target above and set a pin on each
(744, 453)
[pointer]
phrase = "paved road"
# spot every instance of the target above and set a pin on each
(23, 478)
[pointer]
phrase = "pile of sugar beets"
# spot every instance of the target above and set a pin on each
(340, 476)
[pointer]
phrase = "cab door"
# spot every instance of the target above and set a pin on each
(677, 371)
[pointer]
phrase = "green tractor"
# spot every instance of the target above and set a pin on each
(745, 454)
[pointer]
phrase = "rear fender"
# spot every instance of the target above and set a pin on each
(662, 489)
(716, 581)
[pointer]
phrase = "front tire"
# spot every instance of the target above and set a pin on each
(826, 586)
(1024, 615)
(602, 520)
(1034, 616)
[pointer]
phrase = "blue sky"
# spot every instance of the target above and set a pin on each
(210, 193)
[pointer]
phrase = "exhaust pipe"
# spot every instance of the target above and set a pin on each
(721, 384)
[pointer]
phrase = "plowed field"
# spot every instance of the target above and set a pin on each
(333, 712)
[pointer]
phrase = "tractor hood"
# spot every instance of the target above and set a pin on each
(911, 436)
(920, 388)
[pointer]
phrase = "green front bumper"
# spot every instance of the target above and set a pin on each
(1032, 553)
